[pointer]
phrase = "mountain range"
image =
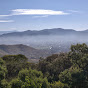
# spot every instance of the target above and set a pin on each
(36, 44)
(5, 32)
(54, 31)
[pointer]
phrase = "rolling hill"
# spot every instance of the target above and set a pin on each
(29, 52)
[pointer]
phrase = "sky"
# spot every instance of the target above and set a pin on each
(22, 15)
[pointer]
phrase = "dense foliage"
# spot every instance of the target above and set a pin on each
(64, 70)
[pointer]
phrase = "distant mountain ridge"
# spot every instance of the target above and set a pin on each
(54, 31)
(5, 32)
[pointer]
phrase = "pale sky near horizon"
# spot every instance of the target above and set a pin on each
(24, 15)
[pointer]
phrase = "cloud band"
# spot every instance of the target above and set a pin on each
(37, 12)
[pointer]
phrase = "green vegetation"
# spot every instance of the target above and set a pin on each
(64, 70)
(14, 64)
(3, 71)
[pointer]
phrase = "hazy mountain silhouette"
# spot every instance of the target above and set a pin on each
(54, 31)
(5, 32)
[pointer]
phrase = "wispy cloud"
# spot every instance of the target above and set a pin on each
(37, 12)
(4, 15)
(43, 16)
(75, 11)
(5, 21)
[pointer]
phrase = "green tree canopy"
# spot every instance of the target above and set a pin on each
(30, 79)
(14, 64)
(3, 71)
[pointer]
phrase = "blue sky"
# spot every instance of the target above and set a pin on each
(24, 15)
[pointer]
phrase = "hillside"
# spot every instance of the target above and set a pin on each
(63, 70)
(29, 52)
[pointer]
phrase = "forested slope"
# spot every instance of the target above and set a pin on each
(64, 70)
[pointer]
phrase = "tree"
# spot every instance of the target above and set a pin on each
(53, 65)
(58, 84)
(14, 64)
(3, 71)
(74, 77)
(77, 52)
(30, 79)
